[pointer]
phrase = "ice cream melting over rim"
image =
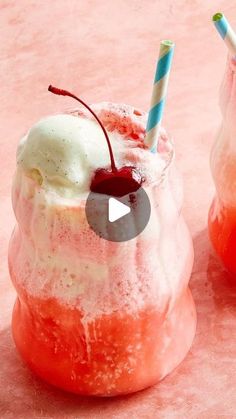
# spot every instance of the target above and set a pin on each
(62, 152)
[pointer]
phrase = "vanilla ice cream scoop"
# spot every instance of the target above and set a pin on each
(63, 151)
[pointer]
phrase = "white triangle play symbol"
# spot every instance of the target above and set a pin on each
(116, 210)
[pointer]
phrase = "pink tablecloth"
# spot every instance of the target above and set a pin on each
(106, 50)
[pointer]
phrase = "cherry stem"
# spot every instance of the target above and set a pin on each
(62, 92)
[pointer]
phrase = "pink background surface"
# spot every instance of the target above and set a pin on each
(105, 50)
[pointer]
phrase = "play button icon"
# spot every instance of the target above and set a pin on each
(116, 210)
(118, 218)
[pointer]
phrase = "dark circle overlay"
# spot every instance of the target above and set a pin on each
(125, 228)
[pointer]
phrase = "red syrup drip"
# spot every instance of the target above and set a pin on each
(114, 182)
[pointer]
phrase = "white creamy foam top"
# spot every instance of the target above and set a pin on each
(62, 152)
(66, 150)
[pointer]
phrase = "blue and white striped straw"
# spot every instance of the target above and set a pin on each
(159, 94)
(225, 31)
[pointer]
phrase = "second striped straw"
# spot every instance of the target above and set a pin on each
(159, 94)
(226, 32)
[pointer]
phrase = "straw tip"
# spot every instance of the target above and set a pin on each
(217, 16)
(167, 43)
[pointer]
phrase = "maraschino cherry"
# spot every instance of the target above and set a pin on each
(114, 182)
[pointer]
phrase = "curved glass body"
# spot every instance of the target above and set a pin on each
(222, 214)
(96, 317)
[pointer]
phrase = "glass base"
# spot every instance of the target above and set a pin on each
(116, 354)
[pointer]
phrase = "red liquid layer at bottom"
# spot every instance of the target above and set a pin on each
(222, 231)
(116, 354)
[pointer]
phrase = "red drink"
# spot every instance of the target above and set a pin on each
(97, 317)
(222, 214)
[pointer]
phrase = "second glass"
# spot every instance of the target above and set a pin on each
(222, 214)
